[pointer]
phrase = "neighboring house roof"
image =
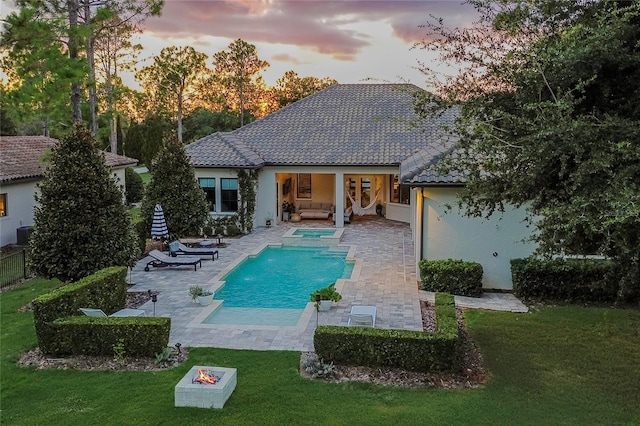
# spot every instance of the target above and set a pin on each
(344, 124)
(19, 157)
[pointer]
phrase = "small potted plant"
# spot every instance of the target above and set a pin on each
(268, 220)
(287, 209)
(328, 295)
(198, 294)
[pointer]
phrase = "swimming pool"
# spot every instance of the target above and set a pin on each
(273, 287)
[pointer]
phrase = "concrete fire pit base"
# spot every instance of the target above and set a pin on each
(189, 394)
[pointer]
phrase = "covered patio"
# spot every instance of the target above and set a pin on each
(365, 191)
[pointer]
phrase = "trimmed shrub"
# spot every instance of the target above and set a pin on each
(174, 186)
(451, 276)
(82, 335)
(411, 350)
(143, 231)
(566, 280)
(134, 187)
(62, 329)
(81, 223)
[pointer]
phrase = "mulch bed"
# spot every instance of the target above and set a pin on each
(472, 374)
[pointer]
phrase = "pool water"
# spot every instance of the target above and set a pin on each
(314, 233)
(273, 288)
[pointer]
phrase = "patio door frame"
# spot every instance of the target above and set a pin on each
(358, 187)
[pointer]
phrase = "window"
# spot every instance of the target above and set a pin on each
(3, 205)
(229, 195)
(399, 193)
(208, 185)
(304, 185)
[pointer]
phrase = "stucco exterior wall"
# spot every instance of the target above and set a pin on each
(217, 174)
(326, 182)
(20, 204)
(398, 212)
(491, 242)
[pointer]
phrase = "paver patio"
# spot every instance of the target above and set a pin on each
(384, 276)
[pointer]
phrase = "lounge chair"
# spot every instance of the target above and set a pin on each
(177, 249)
(160, 260)
(91, 312)
(362, 315)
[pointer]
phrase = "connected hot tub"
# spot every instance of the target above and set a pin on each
(312, 237)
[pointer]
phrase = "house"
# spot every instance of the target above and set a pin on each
(357, 146)
(20, 172)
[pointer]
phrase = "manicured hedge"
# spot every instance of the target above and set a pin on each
(452, 276)
(565, 280)
(410, 350)
(142, 336)
(62, 329)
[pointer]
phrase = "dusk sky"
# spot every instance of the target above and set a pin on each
(351, 40)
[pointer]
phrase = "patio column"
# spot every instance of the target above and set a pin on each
(339, 214)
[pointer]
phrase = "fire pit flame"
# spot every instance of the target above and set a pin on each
(206, 377)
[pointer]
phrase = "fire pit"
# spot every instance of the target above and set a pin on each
(205, 387)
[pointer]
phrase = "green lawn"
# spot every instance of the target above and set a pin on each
(146, 178)
(135, 214)
(557, 365)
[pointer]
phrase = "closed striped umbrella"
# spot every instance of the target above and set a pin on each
(159, 225)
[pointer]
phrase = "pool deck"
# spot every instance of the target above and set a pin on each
(384, 276)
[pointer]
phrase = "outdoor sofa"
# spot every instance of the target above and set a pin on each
(313, 210)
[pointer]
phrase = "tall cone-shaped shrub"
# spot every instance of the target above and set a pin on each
(81, 222)
(174, 186)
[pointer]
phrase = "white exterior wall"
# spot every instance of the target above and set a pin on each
(327, 185)
(491, 242)
(120, 176)
(218, 174)
(398, 212)
(20, 204)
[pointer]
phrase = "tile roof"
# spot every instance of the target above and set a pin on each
(19, 157)
(344, 124)
(223, 150)
(415, 170)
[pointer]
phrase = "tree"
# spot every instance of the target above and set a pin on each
(174, 186)
(109, 23)
(47, 25)
(39, 70)
(114, 52)
(134, 187)
(144, 140)
(81, 222)
(238, 70)
(171, 76)
(549, 119)
(7, 126)
(202, 122)
(290, 87)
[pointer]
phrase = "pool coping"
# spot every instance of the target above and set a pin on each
(216, 283)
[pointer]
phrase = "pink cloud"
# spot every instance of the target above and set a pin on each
(311, 24)
(285, 57)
